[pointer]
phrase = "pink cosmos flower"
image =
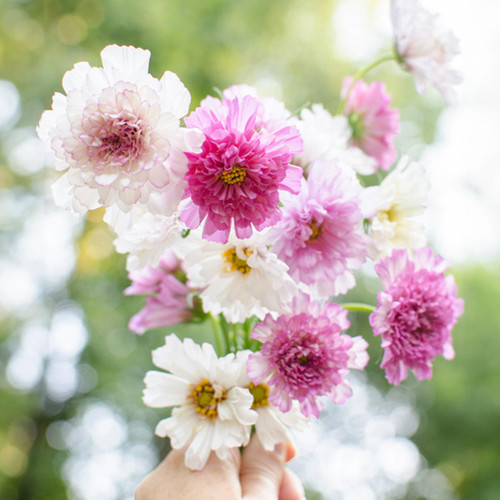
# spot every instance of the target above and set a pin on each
(243, 165)
(304, 356)
(117, 132)
(373, 122)
(319, 235)
(415, 312)
(169, 298)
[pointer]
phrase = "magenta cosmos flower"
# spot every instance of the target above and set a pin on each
(373, 122)
(169, 298)
(415, 312)
(305, 356)
(320, 234)
(243, 165)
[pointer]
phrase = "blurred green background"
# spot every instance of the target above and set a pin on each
(70, 371)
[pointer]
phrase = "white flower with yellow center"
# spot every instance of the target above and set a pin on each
(241, 278)
(212, 413)
(403, 199)
(272, 426)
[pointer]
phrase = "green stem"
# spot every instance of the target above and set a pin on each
(362, 72)
(354, 306)
(227, 334)
(218, 336)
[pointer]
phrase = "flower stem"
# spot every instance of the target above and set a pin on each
(227, 334)
(218, 336)
(362, 72)
(354, 306)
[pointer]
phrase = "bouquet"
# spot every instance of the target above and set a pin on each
(255, 220)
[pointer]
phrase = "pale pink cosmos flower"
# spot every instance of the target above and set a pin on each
(117, 133)
(244, 164)
(320, 234)
(415, 313)
(170, 300)
(374, 124)
(304, 356)
(425, 48)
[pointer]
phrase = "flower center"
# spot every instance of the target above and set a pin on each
(260, 394)
(114, 138)
(316, 230)
(357, 126)
(206, 397)
(235, 263)
(236, 175)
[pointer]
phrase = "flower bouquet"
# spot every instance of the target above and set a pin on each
(255, 219)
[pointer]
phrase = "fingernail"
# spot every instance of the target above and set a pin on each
(280, 451)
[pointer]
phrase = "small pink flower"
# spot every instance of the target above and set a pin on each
(319, 236)
(243, 165)
(415, 312)
(304, 356)
(373, 122)
(169, 298)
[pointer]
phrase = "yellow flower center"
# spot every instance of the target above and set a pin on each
(234, 262)
(316, 230)
(206, 398)
(260, 394)
(236, 175)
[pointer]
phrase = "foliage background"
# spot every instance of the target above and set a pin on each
(70, 371)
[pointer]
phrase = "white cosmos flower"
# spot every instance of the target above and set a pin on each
(241, 278)
(117, 132)
(211, 413)
(328, 137)
(272, 426)
(143, 235)
(425, 49)
(403, 197)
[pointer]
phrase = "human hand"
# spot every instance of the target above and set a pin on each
(255, 474)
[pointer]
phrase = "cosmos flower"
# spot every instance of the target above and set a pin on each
(402, 199)
(328, 137)
(244, 165)
(169, 298)
(144, 236)
(117, 133)
(424, 48)
(210, 413)
(320, 234)
(373, 123)
(240, 279)
(304, 356)
(415, 313)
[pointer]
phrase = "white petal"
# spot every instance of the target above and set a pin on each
(164, 389)
(270, 430)
(76, 78)
(200, 448)
(175, 96)
(179, 427)
(125, 63)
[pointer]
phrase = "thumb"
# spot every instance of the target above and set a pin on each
(261, 471)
